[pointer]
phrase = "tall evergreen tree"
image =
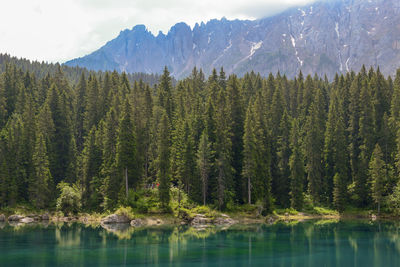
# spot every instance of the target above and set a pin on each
(126, 149)
(163, 163)
(378, 176)
(39, 187)
(296, 169)
(204, 155)
(314, 145)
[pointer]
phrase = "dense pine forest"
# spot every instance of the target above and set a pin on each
(106, 139)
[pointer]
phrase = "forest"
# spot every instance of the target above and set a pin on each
(101, 140)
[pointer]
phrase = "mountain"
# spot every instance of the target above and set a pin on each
(325, 38)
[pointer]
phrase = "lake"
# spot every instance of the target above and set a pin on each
(312, 243)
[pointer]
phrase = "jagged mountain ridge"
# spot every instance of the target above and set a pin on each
(324, 37)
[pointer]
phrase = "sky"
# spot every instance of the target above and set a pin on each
(60, 30)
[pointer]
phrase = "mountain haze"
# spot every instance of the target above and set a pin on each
(325, 38)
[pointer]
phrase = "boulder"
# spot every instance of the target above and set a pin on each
(200, 219)
(115, 227)
(115, 218)
(270, 220)
(27, 220)
(2, 218)
(224, 220)
(136, 222)
(35, 217)
(15, 218)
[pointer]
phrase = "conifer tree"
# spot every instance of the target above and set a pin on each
(296, 169)
(204, 156)
(39, 189)
(223, 149)
(237, 111)
(111, 177)
(165, 99)
(314, 146)
(249, 160)
(283, 153)
(80, 107)
(378, 176)
(91, 159)
(163, 161)
(126, 149)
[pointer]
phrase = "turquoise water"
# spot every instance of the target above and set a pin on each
(302, 244)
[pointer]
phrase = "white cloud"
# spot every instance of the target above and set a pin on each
(60, 30)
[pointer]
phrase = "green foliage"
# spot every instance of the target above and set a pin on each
(296, 170)
(144, 201)
(125, 211)
(163, 162)
(394, 200)
(223, 141)
(378, 176)
(70, 199)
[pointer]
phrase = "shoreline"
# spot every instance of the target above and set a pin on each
(169, 219)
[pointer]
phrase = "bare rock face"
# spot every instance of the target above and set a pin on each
(15, 218)
(2, 218)
(325, 37)
(115, 218)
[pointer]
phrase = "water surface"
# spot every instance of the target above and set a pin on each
(328, 243)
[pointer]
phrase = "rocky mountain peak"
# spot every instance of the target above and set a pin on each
(325, 37)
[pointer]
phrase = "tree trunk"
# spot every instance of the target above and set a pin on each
(204, 192)
(249, 189)
(379, 208)
(126, 182)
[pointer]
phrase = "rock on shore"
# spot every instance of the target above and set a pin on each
(15, 218)
(115, 218)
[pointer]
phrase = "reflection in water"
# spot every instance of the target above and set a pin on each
(328, 243)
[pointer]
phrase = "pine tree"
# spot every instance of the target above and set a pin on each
(237, 111)
(60, 144)
(39, 189)
(91, 109)
(126, 149)
(314, 146)
(204, 156)
(163, 161)
(80, 107)
(223, 149)
(296, 169)
(249, 163)
(109, 171)
(367, 137)
(91, 159)
(335, 150)
(165, 94)
(378, 176)
(283, 153)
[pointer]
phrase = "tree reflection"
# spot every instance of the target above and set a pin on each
(312, 243)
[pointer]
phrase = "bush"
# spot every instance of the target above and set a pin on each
(143, 201)
(70, 199)
(125, 211)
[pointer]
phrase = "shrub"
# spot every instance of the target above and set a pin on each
(70, 199)
(125, 211)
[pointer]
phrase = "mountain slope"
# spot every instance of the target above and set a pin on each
(324, 38)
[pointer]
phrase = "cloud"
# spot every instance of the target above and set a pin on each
(64, 29)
